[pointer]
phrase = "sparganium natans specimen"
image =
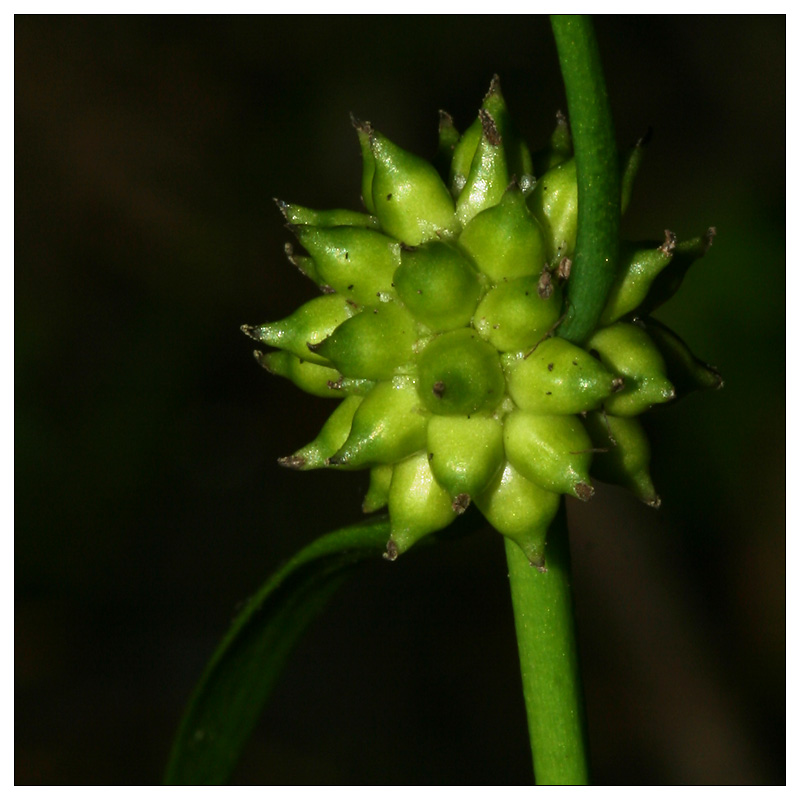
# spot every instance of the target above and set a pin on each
(437, 329)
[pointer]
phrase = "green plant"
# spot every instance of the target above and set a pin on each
(491, 342)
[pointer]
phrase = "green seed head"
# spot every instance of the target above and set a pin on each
(438, 331)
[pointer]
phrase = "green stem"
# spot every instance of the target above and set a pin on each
(597, 167)
(548, 657)
(542, 600)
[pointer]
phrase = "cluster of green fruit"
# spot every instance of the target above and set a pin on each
(437, 328)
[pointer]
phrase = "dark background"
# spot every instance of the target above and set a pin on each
(149, 502)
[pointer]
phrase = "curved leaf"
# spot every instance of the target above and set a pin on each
(242, 672)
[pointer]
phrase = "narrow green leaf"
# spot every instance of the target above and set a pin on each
(242, 672)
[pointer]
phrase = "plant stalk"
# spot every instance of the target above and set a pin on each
(551, 680)
(597, 165)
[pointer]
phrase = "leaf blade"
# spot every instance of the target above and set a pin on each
(245, 667)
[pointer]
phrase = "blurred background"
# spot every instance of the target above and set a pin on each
(149, 503)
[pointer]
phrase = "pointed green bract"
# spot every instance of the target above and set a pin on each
(410, 199)
(465, 453)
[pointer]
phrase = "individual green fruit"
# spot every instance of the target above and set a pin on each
(438, 285)
(409, 197)
(639, 264)
(372, 344)
(463, 154)
(685, 371)
(506, 241)
(628, 352)
(364, 132)
(515, 315)
(305, 264)
(520, 510)
(388, 426)
(622, 454)
(309, 325)
(488, 175)
(465, 453)
(357, 263)
(552, 451)
(298, 215)
(560, 378)
(308, 376)
(448, 139)
(558, 149)
(669, 280)
(417, 505)
(630, 168)
(438, 327)
(331, 437)
(460, 374)
(554, 203)
(377, 496)
(520, 163)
